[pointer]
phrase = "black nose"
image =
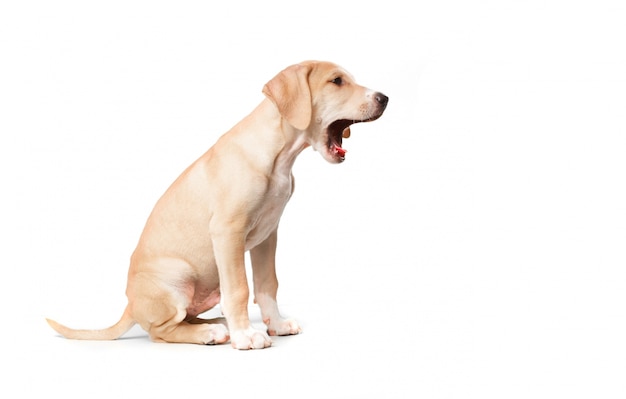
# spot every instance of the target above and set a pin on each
(381, 99)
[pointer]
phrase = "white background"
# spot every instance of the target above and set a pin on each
(471, 246)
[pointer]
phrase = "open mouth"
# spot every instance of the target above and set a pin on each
(336, 132)
(335, 138)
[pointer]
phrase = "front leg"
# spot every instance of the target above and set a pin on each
(263, 259)
(229, 256)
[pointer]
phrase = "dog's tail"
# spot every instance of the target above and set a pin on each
(113, 332)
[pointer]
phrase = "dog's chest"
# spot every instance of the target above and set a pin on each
(270, 209)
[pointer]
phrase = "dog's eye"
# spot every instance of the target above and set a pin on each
(338, 81)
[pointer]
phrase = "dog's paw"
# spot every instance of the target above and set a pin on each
(250, 338)
(283, 327)
(215, 334)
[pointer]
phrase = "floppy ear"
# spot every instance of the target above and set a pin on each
(289, 91)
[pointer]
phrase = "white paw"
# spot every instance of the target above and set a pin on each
(250, 338)
(283, 327)
(216, 334)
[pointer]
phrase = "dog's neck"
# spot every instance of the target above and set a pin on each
(288, 144)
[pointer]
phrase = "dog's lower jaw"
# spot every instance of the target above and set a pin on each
(334, 154)
(331, 153)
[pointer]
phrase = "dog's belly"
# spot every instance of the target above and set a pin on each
(202, 298)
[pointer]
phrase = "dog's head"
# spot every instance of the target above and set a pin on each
(322, 100)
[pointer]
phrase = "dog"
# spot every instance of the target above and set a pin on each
(190, 256)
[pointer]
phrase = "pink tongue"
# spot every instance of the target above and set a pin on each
(340, 151)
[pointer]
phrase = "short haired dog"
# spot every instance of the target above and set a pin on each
(190, 256)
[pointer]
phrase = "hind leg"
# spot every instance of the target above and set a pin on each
(185, 332)
(162, 313)
(198, 320)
